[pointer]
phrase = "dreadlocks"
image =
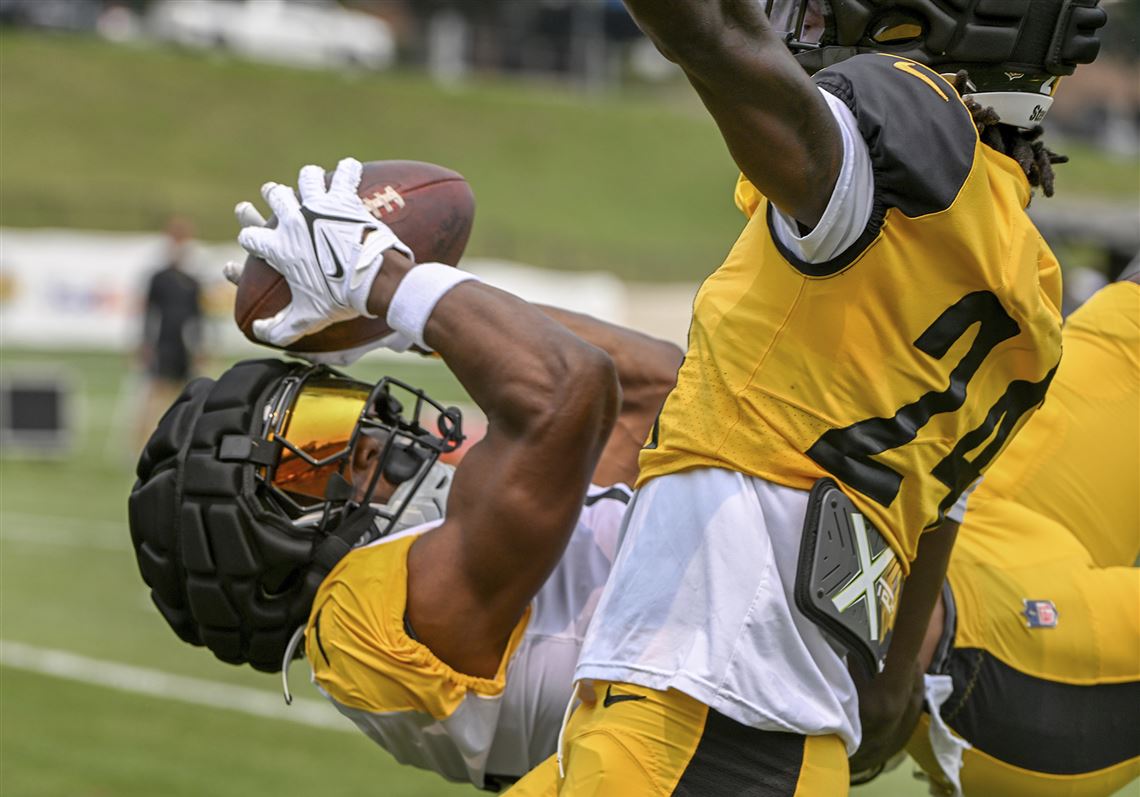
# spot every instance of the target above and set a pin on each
(1024, 146)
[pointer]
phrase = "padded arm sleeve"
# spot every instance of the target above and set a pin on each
(918, 132)
(920, 140)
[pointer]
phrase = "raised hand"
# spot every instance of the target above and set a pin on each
(327, 246)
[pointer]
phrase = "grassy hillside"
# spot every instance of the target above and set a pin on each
(99, 136)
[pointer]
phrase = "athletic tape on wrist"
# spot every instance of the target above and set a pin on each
(368, 266)
(417, 294)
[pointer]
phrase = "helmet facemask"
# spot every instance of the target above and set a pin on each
(800, 23)
(345, 446)
(247, 495)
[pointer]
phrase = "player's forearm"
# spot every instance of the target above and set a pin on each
(666, 23)
(889, 704)
(694, 32)
(646, 366)
(726, 47)
(520, 366)
(928, 571)
(550, 399)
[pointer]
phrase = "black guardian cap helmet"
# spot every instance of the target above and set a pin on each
(1013, 50)
(254, 486)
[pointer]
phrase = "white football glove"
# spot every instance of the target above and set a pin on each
(319, 247)
(249, 216)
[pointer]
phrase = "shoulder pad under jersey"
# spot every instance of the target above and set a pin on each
(920, 136)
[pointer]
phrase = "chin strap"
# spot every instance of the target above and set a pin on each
(355, 527)
(330, 551)
(287, 659)
(572, 704)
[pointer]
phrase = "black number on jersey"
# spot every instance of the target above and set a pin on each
(846, 453)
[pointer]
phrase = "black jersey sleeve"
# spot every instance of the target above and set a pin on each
(920, 137)
(919, 133)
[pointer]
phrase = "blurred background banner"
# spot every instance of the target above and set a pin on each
(84, 290)
(73, 289)
(601, 185)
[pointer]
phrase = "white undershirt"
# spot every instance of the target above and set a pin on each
(849, 209)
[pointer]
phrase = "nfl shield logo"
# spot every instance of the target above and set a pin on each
(1040, 614)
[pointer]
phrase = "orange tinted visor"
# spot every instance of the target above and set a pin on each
(320, 423)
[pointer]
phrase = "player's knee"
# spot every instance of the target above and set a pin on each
(599, 765)
(542, 781)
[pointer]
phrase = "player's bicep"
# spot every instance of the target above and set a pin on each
(514, 504)
(778, 130)
(471, 579)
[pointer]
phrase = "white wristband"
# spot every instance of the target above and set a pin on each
(417, 294)
(368, 265)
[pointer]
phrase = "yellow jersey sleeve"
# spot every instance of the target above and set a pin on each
(360, 652)
(746, 196)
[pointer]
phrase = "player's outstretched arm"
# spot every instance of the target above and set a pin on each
(775, 122)
(647, 371)
(550, 400)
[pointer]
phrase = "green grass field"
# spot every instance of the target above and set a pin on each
(114, 138)
(68, 583)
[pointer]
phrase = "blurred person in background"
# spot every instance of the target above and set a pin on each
(170, 350)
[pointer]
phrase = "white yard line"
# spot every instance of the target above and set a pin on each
(155, 683)
(71, 532)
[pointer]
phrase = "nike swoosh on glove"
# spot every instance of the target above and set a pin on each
(328, 247)
(249, 216)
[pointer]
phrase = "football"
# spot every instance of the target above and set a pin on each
(430, 209)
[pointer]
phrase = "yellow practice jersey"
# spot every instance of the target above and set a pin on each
(1045, 598)
(1062, 466)
(902, 366)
